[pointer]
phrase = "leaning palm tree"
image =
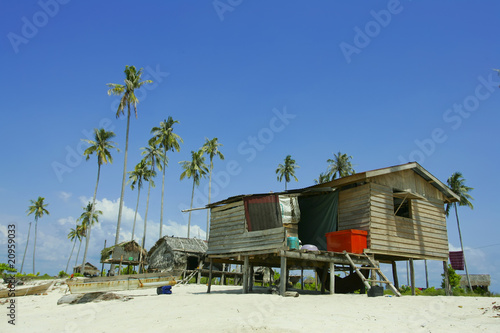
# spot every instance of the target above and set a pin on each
(196, 169)
(153, 157)
(101, 146)
(340, 166)
(81, 230)
(38, 208)
(26, 248)
(323, 178)
(168, 141)
(211, 147)
(127, 93)
(287, 170)
(73, 235)
(457, 184)
(136, 177)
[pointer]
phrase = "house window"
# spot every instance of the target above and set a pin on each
(402, 205)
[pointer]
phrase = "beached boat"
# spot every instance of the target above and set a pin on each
(122, 282)
(26, 290)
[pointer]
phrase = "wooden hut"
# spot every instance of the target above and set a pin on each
(482, 281)
(401, 209)
(125, 253)
(176, 253)
(90, 270)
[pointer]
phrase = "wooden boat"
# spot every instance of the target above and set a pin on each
(26, 290)
(122, 282)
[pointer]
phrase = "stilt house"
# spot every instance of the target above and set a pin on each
(176, 253)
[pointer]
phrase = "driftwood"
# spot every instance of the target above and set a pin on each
(91, 297)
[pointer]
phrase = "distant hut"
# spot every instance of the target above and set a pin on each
(90, 270)
(176, 253)
(482, 281)
(125, 253)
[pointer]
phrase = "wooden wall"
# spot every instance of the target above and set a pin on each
(229, 234)
(354, 208)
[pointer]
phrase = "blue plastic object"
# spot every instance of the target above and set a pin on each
(166, 290)
(292, 243)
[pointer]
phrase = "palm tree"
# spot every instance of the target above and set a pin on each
(287, 170)
(141, 172)
(153, 157)
(82, 231)
(26, 248)
(73, 235)
(127, 93)
(101, 146)
(457, 184)
(38, 208)
(169, 141)
(196, 169)
(340, 166)
(211, 147)
(323, 178)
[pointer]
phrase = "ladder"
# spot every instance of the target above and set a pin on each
(373, 267)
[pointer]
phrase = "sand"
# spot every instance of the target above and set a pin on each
(190, 309)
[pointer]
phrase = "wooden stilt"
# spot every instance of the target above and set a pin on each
(223, 277)
(426, 275)
(316, 282)
(120, 269)
(209, 276)
(250, 279)
(323, 279)
(395, 275)
(446, 279)
(332, 278)
(301, 278)
(412, 273)
(245, 275)
(283, 277)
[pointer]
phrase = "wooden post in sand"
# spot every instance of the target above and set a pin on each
(209, 276)
(412, 273)
(120, 269)
(250, 279)
(302, 278)
(283, 276)
(245, 275)
(446, 279)
(395, 275)
(332, 278)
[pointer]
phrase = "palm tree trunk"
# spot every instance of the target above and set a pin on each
(145, 225)
(91, 219)
(163, 191)
(190, 207)
(73, 249)
(78, 253)
(209, 195)
(136, 208)
(117, 235)
(462, 246)
(26, 248)
(34, 246)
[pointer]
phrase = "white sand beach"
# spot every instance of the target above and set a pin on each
(190, 309)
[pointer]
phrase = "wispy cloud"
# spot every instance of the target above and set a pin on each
(67, 220)
(64, 196)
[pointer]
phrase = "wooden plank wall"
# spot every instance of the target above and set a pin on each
(229, 234)
(422, 236)
(354, 208)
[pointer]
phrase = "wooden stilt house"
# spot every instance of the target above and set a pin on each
(399, 208)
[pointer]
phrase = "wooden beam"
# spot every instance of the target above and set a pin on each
(412, 275)
(250, 280)
(210, 277)
(332, 278)
(283, 279)
(395, 275)
(245, 275)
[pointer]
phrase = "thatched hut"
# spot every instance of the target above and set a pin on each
(176, 253)
(125, 253)
(90, 270)
(482, 281)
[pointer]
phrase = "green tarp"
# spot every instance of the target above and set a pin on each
(318, 215)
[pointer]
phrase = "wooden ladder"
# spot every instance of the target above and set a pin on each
(374, 267)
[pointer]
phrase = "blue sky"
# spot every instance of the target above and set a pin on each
(384, 81)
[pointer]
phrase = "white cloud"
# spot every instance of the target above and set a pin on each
(67, 220)
(64, 196)
(110, 209)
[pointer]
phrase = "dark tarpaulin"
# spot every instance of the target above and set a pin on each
(262, 212)
(318, 215)
(457, 260)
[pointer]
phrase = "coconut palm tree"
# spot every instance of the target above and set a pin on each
(26, 248)
(340, 166)
(457, 184)
(323, 178)
(127, 93)
(168, 141)
(100, 146)
(211, 147)
(154, 158)
(81, 229)
(141, 173)
(73, 235)
(196, 169)
(287, 170)
(38, 208)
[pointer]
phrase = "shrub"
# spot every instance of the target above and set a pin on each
(62, 274)
(453, 278)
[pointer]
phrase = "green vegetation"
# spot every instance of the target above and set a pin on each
(62, 274)
(38, 208)
(287, 170)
